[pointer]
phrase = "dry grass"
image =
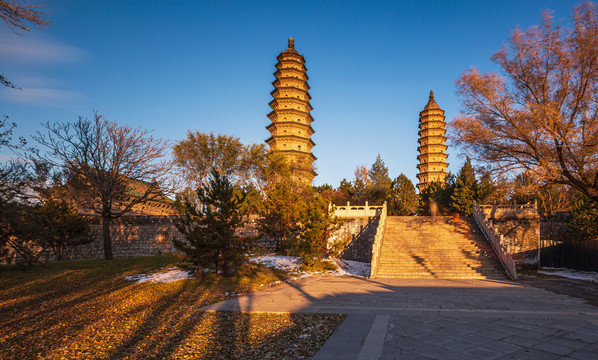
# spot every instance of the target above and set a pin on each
(86, 310)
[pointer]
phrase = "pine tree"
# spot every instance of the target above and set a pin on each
(281, 215)
(439, 192)
(57, 225)
(466, 190)
(486, 189)
(318, 222)
(381, 183)
(346, 188)
(210, 228)
(361, 185)
(403, 198)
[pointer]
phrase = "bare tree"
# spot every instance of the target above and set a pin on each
(110, 167)
(541, 116)
(16, 15)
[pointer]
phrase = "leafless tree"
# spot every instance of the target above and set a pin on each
(541, 116)
(16, 15)
(110, 168)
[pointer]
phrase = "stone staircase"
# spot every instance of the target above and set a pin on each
(436, 248)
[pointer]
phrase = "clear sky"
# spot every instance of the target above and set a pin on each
(174, 66)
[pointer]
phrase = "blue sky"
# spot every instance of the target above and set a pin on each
(174, 66)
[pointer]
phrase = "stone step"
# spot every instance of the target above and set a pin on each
(440, 273)
(480, 277)
(387, 260)
(413, 264)
(423, 247)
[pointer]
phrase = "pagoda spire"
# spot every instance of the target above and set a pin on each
(432, 149)
(290, 129)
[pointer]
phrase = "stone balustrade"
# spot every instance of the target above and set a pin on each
(495, 239)
(514, 211)
(354, 211)
(378, 242)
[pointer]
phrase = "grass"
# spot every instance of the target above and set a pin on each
(86, 310)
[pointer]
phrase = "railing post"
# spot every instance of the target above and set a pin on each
(366, 209)
(348, 207)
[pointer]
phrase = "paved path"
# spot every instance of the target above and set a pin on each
(436, 319)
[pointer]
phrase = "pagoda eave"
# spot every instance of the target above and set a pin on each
(422, 155)
(276, 91)
(306, 127)
(276, 83)
(444, 138)
(311, 156)
(296, 111)
(429, 165)
(291, 136)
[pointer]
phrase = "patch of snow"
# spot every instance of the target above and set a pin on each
(303, 336)
(356, 268)
(571, 274)
(170, 275)
(292, 264)
(278, 261)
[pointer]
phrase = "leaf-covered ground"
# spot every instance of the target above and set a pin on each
(87, 310)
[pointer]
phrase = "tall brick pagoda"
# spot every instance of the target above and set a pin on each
(290, 129)
(432, 149)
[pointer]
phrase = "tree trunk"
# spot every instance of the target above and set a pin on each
(198, 272)
(106, 236)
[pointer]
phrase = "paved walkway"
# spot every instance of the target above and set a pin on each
(436, 319)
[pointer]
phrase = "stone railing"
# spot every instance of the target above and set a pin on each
(377, 245)
(495, 239)
(514, 211)
(348, 211)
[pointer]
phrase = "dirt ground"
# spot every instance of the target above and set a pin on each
(582, 289)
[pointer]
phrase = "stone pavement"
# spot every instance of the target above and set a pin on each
(435, 319)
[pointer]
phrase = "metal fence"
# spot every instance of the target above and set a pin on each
(578, 255)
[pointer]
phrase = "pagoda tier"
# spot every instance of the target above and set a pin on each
(290, 130)
(432, 149)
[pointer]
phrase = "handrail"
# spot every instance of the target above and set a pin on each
(377, 245)
(496, 240)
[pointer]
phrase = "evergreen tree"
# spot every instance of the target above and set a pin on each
(380, 182)
(318, 222)
(439, 192)
(466, 189)
(486, 189)
(345, 190)
(584, 217)
(210, 228)
(403, 198)
(59, 226)
(361, 185)
(281, 214)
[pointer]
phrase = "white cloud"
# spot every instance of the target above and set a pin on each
(39, 95)
(20, 49)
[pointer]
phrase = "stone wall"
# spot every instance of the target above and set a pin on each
(359, 233)
(132, 236)
(152, 235)
(556, 229)
(520, 227)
